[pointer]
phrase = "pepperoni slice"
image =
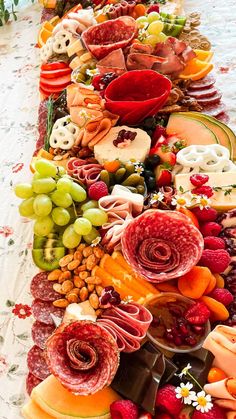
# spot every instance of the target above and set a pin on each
(36, 362)
(83, 356)
(42, 289)
(41, 332)
(214, 110)
(202, 93)
(204, 83)
(31, 383)
(210, 100)
(43, 311)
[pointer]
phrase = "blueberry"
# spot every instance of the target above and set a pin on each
(147, 174)
(152, 161)
(151, 183)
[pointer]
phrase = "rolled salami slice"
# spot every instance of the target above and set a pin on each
(37, 364)
(43, 311)
(83, 356)
(31, 383)
(110, 35)
(41, 332)
(42, 289)
(128, 323)
(161, 245)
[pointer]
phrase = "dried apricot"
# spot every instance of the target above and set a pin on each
(112, 166)
(220, 282)
(216, 374)
(211, 285)
(217, 309)
(195, 282)
(190, 215)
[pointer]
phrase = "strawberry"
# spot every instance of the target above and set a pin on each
(197, 313)
(215, 413)
(199, 179)
(167, 401)
(165, 154)
(163, 176)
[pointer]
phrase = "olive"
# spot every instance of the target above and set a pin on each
(151, 183)
(129, 168)
(152, 161)
(147, 174)
(140, 189)
(119, 174)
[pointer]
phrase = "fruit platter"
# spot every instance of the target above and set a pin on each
(132, 201)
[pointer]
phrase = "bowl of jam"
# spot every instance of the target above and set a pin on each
(178, 324)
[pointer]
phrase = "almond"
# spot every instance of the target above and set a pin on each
(87, 251)
(57, 288)
(73, 265)
(54, 275)
(83, 294)
(79, 283)
(99, 290)
(78, 255)
(64, 276)
(62, 303)
(94, 301)
(65, 260)
(72, 297)
(95, 280)
(80, 268)
(84, 274)
(98, 252)
(67, 286)
(91, 287)
(81, 247)
(91, 262)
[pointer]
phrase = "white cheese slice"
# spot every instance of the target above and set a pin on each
(220, 201)
(137, 149)
(81, 311)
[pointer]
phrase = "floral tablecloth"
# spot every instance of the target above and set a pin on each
(19, 98)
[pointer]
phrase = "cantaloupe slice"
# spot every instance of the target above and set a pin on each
(190, 130)
(32, 411)
(58, 402)
(215, 126)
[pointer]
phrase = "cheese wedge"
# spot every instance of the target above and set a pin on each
(75, 47)
(223, 199)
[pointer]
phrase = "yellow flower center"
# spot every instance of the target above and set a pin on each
(203, 202)
(185, 392)
(181, 201)
(202, 401)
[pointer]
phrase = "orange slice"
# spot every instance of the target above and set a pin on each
(203, 55)
(49, 4)
(196, 70)
(47, 25)
(43, 36)
(54, 21)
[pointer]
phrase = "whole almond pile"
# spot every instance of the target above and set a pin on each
(74, 280)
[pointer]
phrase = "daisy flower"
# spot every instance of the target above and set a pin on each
(138, 168)
(183, 392)
(182, 200)
(185, 370)
(202, 402)
(93, 72)
(203, 201)
(156, 197)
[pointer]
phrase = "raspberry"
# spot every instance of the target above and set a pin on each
(215, 413)
(198, 179)
(163, 416)
(210, 229)
(213, 243)
(124, 409)
(97, 82)
(205, 214)
(159, 131)
(203, 190)
(197, 314)
(222, 295)
(216, 260)
(186, 413)
(153, 8)
(145, 416)
(97, 190)
(166, 400)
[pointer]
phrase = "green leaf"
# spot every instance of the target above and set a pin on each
(23, 336)
(15, 16)
(13, 368)
(10, 303)
(181, 189)
(1, 340)
(11, 242)
(16, 2)
(6, 15)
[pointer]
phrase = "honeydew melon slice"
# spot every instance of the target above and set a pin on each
(219, 129)
(190, 130)
(58, 402)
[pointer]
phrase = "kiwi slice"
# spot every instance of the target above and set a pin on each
(171, 29)
(48, 258)
(52, 240)
(180, 20)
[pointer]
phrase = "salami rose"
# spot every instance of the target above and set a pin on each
(36, 363)
(110, 35)
(31, 383)
(161, 245)
(83, 356)
(128, 323)
(136, 95)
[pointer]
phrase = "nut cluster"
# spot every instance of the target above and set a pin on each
(74, 280)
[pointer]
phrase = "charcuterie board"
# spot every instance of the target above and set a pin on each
(132, 199)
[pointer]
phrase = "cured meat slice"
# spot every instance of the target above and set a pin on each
(223, 117)
(113, 62)
(161, 245)
(42, 124)
(87, 173)
(42, 289)
(37, 364)
(128, 323)
(204, 83)
(122, 8)
(31, 383)
(43, 311)
(110, 35)
(210, 100)
(83, 356)
(202, 93)
(214, 110)
(41, 332)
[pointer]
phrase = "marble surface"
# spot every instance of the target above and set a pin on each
(19, 99)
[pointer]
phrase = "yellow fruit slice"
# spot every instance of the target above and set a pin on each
(49, 4)
(43, 36)
(203, 55)
(54, 21)
(47, 25)
(196, 70)
(45, 154)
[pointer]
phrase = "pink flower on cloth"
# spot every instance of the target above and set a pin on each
(17, 167)
(22, 311)
(3, 365)
(6, 231)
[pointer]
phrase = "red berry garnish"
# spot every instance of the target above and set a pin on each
(153, 8)
(199, 179)
(167, 401)
(124, 409)
(203, 190)
(214, 243)
(97, 83)
(197, 314)
(216, 260)
(222, 295)
(97, 190)
(205, 214)
(210, 229)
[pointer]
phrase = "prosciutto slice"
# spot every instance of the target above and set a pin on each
(112, 63)
(128, 324)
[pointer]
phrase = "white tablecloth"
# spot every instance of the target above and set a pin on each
(19, 99)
